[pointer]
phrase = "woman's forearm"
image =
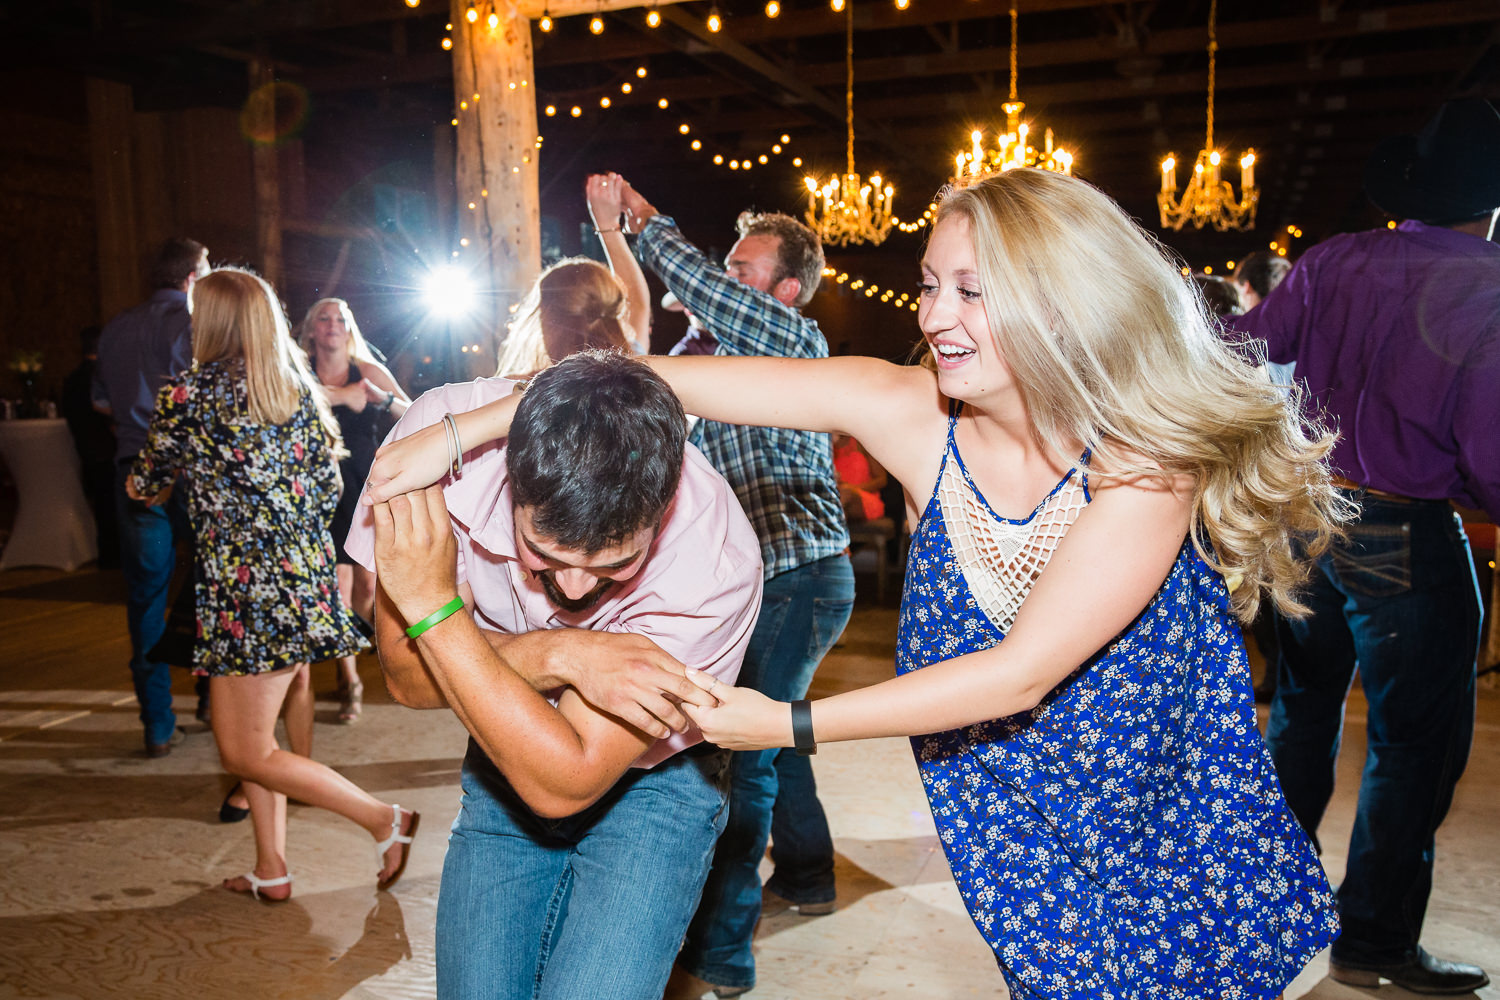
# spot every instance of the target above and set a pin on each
(490, 422)
(947, 695)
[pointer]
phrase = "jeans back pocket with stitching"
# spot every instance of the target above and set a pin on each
(1376, 559)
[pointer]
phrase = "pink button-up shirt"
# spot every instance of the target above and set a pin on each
(696, 595)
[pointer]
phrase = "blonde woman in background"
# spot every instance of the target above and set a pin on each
(258, 443)
(578, 303)
(1101, 489)
(361, 392)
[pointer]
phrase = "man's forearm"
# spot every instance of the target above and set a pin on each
(406, 676)
(528, 655)
(559, 759)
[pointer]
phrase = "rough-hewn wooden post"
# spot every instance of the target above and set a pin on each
(494, 99)
(496, 163)
(261, 114)
(111, 110)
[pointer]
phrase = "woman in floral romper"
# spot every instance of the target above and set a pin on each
(1101, 489)
(258, 445)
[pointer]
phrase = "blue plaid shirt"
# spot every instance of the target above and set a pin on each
(784, 479)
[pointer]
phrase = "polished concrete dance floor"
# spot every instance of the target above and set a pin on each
(110, 863)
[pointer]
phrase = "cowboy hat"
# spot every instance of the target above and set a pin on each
(1449, 172)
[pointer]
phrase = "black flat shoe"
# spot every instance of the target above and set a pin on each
(231, 813)
(1419, 974)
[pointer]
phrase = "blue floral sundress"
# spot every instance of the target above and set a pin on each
(1128, 837)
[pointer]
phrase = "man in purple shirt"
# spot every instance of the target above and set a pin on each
(138, 351)
(1396, 335)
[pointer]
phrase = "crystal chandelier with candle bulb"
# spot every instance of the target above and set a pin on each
(847, 209)
(1208, 199)
(1012, 149)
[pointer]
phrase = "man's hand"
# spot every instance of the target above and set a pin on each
(745, 718)
(155, 500)
(622, 674)
(415, 552)
(638, 211)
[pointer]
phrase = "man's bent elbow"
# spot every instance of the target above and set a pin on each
(412, 692)
(557, 803)
(416, 698)
(549, 806)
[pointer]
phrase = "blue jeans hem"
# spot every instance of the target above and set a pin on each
(821, 894)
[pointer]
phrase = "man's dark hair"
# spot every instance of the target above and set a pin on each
(1262, 271)
(799, 255)
(596, 449)
(177, 258)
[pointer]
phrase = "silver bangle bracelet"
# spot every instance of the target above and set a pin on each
(455, 446)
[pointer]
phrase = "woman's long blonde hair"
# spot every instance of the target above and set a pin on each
(1111, 347)
(237, 315)
(575, 305)
(359, 349)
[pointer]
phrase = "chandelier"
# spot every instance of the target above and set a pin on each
(848, 209)
(1208, 198)
(1012, 149)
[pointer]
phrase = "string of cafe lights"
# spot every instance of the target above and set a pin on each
(854, 283)
(684, 128)
(714, 22)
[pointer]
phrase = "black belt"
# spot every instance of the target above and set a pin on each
(1353, 487)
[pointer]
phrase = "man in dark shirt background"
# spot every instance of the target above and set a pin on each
(1396, 335)
(138, 351)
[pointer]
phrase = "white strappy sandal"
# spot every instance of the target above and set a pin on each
(396, 837)
(257, 884)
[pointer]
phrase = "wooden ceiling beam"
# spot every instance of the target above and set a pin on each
(1388, 70)
(429, 67)
(1039, 54)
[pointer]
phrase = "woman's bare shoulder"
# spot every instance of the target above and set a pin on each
(1120, 467)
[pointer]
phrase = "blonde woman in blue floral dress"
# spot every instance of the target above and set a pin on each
(257, 445)
(1101, 490)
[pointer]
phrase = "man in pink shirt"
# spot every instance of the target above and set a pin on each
(595, 554)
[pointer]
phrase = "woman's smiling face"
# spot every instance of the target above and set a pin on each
(952, 317)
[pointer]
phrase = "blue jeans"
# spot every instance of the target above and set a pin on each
(1400, 600)
(593, 905)
(148, 555)
(802, 614)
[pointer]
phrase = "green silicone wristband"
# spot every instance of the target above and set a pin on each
(443, 612)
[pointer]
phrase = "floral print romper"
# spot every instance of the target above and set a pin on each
(260, 498)
(1127, 838)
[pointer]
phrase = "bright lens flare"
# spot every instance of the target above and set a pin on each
(449, 292)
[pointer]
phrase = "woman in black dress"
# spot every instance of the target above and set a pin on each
(361, 391)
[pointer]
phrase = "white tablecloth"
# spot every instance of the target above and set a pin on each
(54, 526)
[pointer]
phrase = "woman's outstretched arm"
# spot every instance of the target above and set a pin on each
(602, 191)
(892, 409)
(1104, 572)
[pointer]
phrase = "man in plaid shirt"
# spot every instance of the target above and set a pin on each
(786, 483)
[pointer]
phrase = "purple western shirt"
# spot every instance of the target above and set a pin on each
(1396, 334)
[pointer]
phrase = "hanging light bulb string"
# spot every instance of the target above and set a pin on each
(849, 81)
(1213, 48)
(1014, 20)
